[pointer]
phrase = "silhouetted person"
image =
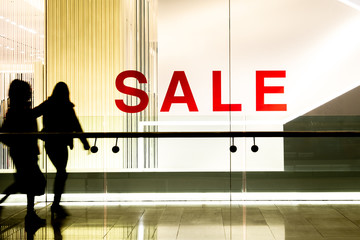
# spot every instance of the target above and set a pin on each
(24, 150)
(59, 116)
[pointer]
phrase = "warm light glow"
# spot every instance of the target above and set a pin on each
(329, 53)
(352, 3)
(195, 198)
(38, 4)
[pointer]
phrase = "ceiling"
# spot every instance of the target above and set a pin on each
(21, 32)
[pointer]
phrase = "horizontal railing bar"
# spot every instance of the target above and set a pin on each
(265, 134)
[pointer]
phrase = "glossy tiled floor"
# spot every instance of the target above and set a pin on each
(187, 222)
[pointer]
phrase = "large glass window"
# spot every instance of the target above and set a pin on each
(319, 55)
(89, 44)
(190, 66)
(194, 66)
(22, 54)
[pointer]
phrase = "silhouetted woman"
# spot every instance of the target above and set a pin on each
(59, 116)
(24, 150)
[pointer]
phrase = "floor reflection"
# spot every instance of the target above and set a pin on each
(248, 222)
(58, 225)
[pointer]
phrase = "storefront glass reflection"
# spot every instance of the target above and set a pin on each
(233, 65)
(276, 221)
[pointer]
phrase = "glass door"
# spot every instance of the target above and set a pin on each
(294, 68)
(147, 66)
(193, 96)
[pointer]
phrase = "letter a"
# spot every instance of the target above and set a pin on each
(170, 98)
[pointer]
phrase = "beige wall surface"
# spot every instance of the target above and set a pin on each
(88, 44)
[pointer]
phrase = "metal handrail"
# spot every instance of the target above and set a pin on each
(223, 134)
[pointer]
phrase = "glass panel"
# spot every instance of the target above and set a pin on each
(193, 45)
(305, 53)
(137, 48)
(89, 45)
(191, 66)
(22, 29)
(280, 50)
(144, 66)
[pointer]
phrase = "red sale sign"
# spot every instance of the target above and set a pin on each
(179, 79)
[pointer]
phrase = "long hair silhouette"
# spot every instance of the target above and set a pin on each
(59, 116)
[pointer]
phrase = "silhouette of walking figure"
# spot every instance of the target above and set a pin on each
(59, 116)
(24, 150)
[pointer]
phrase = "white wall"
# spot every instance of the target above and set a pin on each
(315, 42)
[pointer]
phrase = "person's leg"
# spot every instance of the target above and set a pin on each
(30, 203)
(32, 182)
(58, 155)
(31, 215)
(32, 221)
(59, 184)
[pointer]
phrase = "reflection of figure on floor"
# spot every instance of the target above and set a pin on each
(59, 116)
(31, 229)
(24, 150)
(57, 224)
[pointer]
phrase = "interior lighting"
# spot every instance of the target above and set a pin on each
(188, 203)
(215, 196)
(352, 3)
(27, 29)
(335, 48)
(268, 196)
(38, 4)
(141, 230)
(186, 199)
(31, 31)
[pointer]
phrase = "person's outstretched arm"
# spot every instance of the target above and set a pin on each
(39, 110)
(78, 128)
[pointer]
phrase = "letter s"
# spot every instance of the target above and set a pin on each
(144, 99)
